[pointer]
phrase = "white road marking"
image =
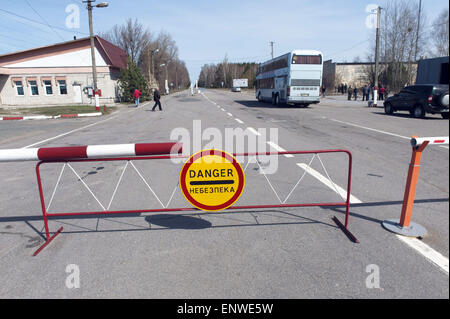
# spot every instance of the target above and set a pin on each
(67, 133)
(428, 252)
(378, 131)
(279, 149)
(76, 130)
(371, 129)
(239, 121)
(251, 129)
(229, 114)
(324, 180)
(418, 245)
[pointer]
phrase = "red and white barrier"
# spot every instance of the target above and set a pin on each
(417, 141)
(46, 117)
(90, 151)
(404, 226)
(18, 118)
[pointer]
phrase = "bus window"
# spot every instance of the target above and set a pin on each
(307, 59)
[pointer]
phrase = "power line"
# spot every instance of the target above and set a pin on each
(234, 60)
(345, 50)
(16, 39)
(29, 4)
(34, 21)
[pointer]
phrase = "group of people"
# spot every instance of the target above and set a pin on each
(366, 91)
(156, 97)
(352, 92)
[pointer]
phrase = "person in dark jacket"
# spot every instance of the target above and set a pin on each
(355, 93)
(349, 91)
(156, 97)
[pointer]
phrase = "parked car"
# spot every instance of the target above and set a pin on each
(236, 89)
(420, 100)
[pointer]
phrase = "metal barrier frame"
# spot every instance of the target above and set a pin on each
(46, 215)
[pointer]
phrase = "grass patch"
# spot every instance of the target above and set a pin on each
(55, 110)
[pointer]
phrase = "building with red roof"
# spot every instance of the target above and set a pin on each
(61, 74)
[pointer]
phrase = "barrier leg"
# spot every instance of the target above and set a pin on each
(343, 227)
(404, 226)
(44, 213)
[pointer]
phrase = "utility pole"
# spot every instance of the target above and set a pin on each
(149, 65)
(167, 79)
(91, 36)
(271, 45)
(377, 47)
(418, 29)
(151, 54)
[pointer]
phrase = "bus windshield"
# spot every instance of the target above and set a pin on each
(306, 59)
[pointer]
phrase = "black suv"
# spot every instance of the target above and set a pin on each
(419, 100)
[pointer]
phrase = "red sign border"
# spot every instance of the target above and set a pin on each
(225, 155)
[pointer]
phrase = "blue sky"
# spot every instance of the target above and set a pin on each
(207, 30)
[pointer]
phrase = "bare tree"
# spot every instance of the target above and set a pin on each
(440, 34)
(157, 57)
(132, 37)
(398, 39)
(212, 75)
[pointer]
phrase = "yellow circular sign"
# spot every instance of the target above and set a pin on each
(212, 180)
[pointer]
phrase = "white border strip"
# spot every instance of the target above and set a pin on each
(429, 253)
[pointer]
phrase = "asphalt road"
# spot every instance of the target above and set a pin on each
(271, 253)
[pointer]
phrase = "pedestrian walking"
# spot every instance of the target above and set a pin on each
(324, 89)
(349, 91)
(382, 91)
(137, 96)
(156, 97)
(355, 93)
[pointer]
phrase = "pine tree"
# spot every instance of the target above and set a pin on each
(131, 79)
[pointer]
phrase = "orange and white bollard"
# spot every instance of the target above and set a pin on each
(404, 226)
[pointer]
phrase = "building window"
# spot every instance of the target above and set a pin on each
(19, 88)
(62, 87)
(48, 87)
(33, 87)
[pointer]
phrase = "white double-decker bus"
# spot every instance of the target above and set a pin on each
(293, 78)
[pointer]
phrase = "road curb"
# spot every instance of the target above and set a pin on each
(46, 117)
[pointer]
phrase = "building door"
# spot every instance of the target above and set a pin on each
(77, 98)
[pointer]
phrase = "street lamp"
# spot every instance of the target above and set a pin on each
(167, 78)
(91, 35)
(151, 53)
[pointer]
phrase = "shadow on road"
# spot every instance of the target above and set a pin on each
(256, 104)
(195, 221)
(407, 115)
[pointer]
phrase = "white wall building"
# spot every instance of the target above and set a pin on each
(61, 74)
